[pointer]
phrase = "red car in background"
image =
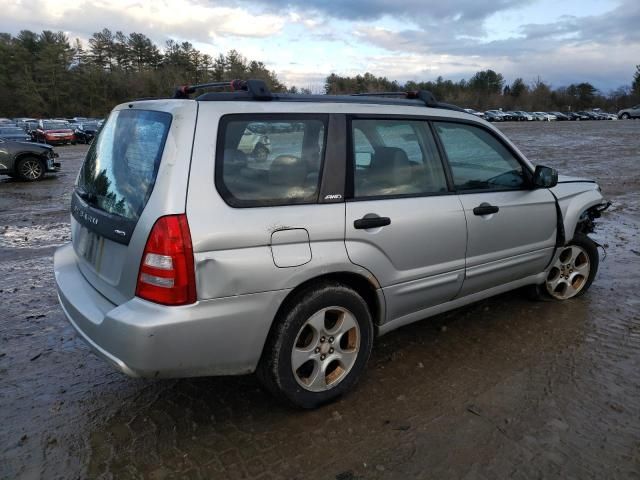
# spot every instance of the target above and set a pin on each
(53, 133)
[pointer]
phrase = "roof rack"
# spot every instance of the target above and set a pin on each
(424, 95)
(257, 90)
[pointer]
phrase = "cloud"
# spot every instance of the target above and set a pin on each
(169, 18)
(461, 10)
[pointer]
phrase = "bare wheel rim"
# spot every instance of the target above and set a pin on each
(325, 349)
(569, 273)
(31, 169)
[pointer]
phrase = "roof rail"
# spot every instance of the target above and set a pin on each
(426, 96)
(243, 90)
(256, 88)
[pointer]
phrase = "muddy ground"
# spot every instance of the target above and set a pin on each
(507, 388)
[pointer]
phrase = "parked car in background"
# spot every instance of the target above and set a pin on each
(521, 116)
(505, 116)
(5, 120)
(26, 161)
(493, 117)
(256, 144)
(560, 116)
(85, 132)
(13, 133)
(626, 113)
(474, 112)
(575, 116)
(53, 133)
(547, 117)
(589, 115)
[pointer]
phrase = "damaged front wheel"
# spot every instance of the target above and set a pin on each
(573, 270)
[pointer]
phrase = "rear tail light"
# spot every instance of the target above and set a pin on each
(166, 272)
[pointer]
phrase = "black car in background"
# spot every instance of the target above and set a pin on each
(577, 116)
(590, 115)
(86, 131)
(27, 161)
(14, 133)
(493, 117)
(560, 116)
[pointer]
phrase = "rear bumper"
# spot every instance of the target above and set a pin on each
(142, 339)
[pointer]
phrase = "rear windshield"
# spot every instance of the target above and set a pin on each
(121, 166)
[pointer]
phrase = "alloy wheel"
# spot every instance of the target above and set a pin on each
(326, 349)
(31, 169)
(569, 273)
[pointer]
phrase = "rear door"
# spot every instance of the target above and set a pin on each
(403, 223)
(135, 171)
(511, 227)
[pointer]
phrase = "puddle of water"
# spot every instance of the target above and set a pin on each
(35, 236)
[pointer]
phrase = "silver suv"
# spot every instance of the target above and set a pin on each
(627, 113)
(190, 257)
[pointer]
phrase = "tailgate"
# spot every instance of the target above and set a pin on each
(135, 171)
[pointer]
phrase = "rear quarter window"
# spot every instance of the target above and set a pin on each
(270, 160)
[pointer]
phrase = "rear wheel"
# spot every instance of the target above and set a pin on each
(625, 116)
(319, 347)
(30, 169)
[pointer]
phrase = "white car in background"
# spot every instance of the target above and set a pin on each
(474, 112)
(546, 116)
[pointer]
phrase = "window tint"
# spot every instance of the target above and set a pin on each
(270, 162)
(478, 160)
(395, 157)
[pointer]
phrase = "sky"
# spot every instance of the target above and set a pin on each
(559, 41)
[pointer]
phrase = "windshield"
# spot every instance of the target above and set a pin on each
(121, 166)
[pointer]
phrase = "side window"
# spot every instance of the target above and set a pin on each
(478, 160)
(395, 157)
(363, 151)
(270, 162)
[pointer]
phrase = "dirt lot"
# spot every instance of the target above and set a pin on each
(507, 388)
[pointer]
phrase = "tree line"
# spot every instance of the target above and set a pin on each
(45, 75)
(488, 89)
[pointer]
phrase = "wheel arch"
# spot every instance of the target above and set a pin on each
(22, 155)
(573, 201)
(367, 287)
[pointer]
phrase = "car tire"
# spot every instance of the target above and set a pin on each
(30, 169)
(260, 153)
(625, 116)
(327, 332)
(572, 273)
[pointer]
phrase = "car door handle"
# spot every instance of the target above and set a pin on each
(371, 222)
(485, 209)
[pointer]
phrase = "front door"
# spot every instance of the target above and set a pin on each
(511, 227)
(403, 223)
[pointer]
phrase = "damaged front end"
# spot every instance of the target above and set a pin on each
(587, 221)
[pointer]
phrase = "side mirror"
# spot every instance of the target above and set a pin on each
(545, 177)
